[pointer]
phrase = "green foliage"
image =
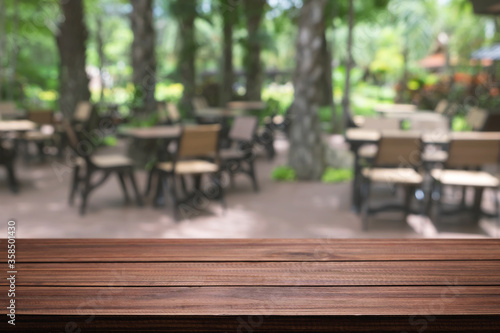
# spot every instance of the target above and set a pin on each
(459, 124)
(332, 175)
(110, 141)
(283, 174)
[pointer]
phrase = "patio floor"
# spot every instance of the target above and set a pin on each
(279, 210)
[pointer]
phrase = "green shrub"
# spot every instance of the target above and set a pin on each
(110, 141)
(284, 174)
(459, 124)
(332, 175)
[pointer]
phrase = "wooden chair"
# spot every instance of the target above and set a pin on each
(82, 115)
(233, 159)
(476, 118)
(436, 126)
(396, 162)
(468, 152)
(381, 123)
(107, 164)
(197, 155)
(8, 109)
(42, 136)
(7, 157)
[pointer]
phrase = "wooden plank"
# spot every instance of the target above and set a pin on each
(261, 274)
(182, 250)
(260, 323)
(283, 301)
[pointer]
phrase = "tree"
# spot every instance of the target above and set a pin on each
(229, 17)
(346, 100)
(2, 44)
(185, 11)
(306, 146)
(71, 42)
(254, 10)
(143, 53)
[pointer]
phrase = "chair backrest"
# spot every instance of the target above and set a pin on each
(82, 150)
(441, 107)
(199, 141)
(399, 150)
(379, 123)
(173, 113)
(200, 103)
(41, 117)
(476, 118)
(7, 107)
(243, 128)
(433, 124)
(83, 112)
(161, 108)
(474, 151)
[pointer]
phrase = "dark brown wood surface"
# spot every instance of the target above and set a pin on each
(256, 285)
(189, 250)
(374, 273)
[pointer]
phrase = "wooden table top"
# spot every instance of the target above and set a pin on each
(17, 125)
(395, 108)
(361, 135)
(219, 113)
(347, 282)
(247, 105)
(155, 132)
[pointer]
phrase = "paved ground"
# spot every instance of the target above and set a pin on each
(280, 210)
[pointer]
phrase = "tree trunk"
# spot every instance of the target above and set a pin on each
(254, 10)
(100, 53)
(143, 54)
(306, 154)
(346, 100)
(71, 40)
(186, 14)
(2, 45)
(227, 76)
(400, 98)
(335, 121)
(327, 92)
(14, 52)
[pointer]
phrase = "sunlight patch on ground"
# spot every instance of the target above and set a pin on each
(422, 225)
(233, 223)
(491, 227)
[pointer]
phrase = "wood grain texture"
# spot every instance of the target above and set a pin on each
(283, 301)
(271, 285)
(251, 250)
(432, 273)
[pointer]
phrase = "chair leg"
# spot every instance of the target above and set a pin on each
(365, 198)
(123, 185)
(74, 184)
(173, 193)
(136, 190)
(478, 196)
(439, 194)
(13, 184)
(150, 180)
(218, 182)
(86, 191)
(183, 186)
(497, 209)
(409, 193)
(253, 176)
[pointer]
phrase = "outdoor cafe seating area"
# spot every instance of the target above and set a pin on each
(426, 169)
(201, 151)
